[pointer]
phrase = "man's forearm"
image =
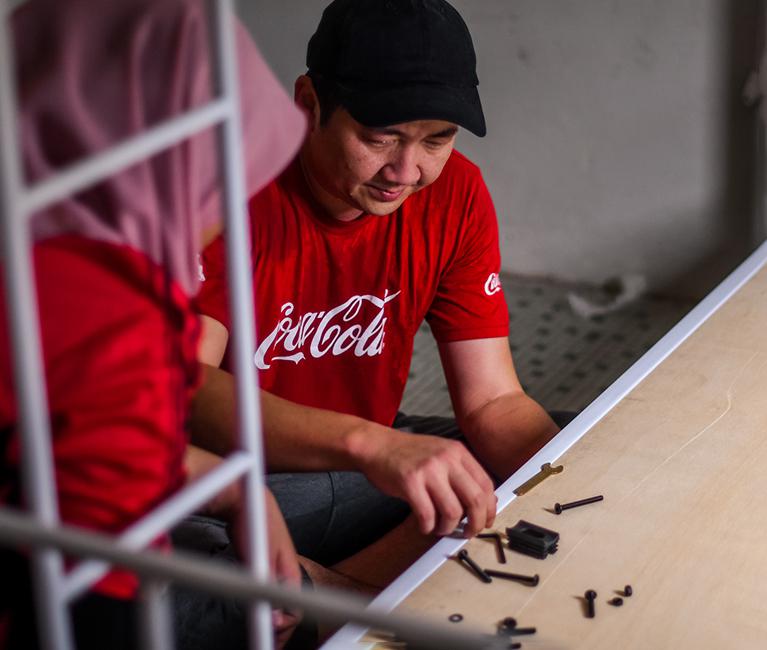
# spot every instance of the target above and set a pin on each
(426, 471)
(507, 431)
(296, 437)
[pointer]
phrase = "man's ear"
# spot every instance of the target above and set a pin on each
(306, 98)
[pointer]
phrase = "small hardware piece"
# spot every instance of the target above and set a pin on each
(463, 556)
(546, 471)
(508, 627)
(532, 540)
(455, 618)
(616, 602)
(559, 507)
(628, 591)
(521, 630)
(590, 597)
(530, 581)
(498, 544)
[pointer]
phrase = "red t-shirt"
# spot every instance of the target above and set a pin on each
(119, 348)
(338, 304)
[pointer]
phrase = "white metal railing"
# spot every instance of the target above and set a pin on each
(53, 591)
(42, 529)
(226, 580)
(142, 532)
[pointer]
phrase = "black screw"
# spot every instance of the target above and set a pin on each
(531, 581)
(498, 545)
(455, 618)
(628, 591)
(559, 507)
(463, 556)
(513, 630)
(616, 602)
(590, 596)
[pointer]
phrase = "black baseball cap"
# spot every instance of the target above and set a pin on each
(394, 61)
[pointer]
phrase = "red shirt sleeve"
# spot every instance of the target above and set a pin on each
(213, 298)
(469, 302)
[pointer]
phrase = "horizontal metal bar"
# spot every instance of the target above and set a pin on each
(100, 166)
(231, 582)
(162, 518)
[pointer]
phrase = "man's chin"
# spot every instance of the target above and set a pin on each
(382, 208)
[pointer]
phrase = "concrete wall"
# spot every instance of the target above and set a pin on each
(617, 138)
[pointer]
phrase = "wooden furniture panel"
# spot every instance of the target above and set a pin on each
(682, 464)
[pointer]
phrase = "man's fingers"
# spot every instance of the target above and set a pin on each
(422, 507)
(485, 484)
(478, 472)
(286, 569)
(283, 623)
(447, 504)
(475, 502)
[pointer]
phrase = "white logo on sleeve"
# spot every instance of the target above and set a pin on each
(492, 284)
(335, 331)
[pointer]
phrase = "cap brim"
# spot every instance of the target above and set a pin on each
(386, 106)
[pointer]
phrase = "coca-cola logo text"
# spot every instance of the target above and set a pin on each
(492, 284)
(335, 332)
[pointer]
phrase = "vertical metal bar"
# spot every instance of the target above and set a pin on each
(157, 632)
(28, 372)
(242, 315)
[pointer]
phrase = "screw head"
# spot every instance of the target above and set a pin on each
(616, 602)
(455, 618)
(590, 594)
(558, 508)
(628, 591)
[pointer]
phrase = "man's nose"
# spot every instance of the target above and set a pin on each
(403, 168)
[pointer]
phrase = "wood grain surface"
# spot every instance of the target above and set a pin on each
(682, 464)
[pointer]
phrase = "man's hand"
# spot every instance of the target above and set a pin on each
(439, 478)
(283, 565)
(227, 505)
(283, 562)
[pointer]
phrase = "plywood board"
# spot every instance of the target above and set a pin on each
(681, 462)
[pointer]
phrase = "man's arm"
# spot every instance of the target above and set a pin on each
(503, 425)
(439, 478)
(227, 505)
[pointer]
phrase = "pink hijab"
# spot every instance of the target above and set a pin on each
(91, 74)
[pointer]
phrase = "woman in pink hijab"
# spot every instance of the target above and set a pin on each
(116, 268)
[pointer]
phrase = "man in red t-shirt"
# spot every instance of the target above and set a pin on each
(377, 225)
